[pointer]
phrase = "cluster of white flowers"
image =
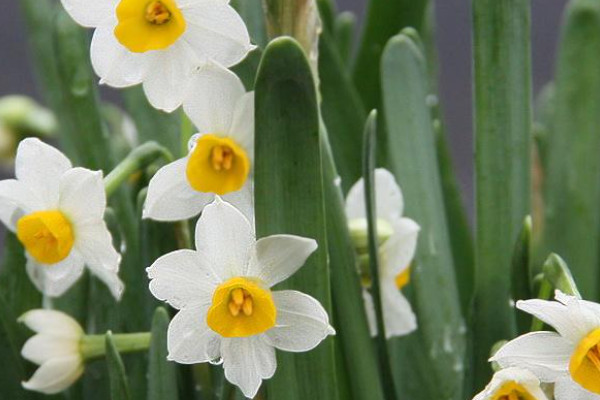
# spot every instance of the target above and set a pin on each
(180, 50)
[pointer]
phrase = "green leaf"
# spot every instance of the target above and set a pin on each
(384, 19)
(342, 111)
(503, 134)
(521, 286)
(557, 272)
(251, 12)
(289, 199)
(572, 193)
(350, 319)
(119, 387)
(343, 32)
(429, 363)
(162, 378)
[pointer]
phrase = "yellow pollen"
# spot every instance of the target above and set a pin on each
(241, 307)
(403, 278)
(584, 365)
(145, 25)
(512, 391)
(157, 13)
(217, 165)
(46, 235)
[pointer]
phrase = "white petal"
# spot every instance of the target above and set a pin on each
(170, 197)
(370, 311)
(302, 322)
(546, 354)
(243, 200)
(398, 316)
(40, 166)
(190, 340)
(212, 97)
(113, 63)
(567, 389)
(167, 76)
(275, 258)
(242, 126)
(52, 322)
(399, 250)
(55, 375)
(216, 31)
(90, 13)
(43, 347)
(521, 376)
(17, 200)
(567, 321)
(54, 280)
(82, 195)
(225, 238)
(389, 200)
(247, 361)
(94, 242)
(183, 279)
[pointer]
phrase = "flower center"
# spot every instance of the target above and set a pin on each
(217, 165)
(46, 235)
(157, 13)
(512, 391)
(585, 362)
(403, 278)
(148, 25)
(241, 307)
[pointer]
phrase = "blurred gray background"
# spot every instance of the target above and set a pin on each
(453, 37)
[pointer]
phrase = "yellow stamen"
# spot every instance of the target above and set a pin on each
(217, 165)
(241, 307)
(148, 25)
(46, 235)
(585, 362)
(512, 391)
(403, 278)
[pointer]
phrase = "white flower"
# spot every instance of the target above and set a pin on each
(160, 42)
(55, 348)
(396, 253)
(227, 310)
(221, 155)
(57, 213)
(569, 357)
(513, 384)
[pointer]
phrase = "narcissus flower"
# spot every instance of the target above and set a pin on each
(160, 42)
(55, 348)
(221, 155)
(57, 213)
(513, 384)
(227, 309)
(569, 357)
(398, 242)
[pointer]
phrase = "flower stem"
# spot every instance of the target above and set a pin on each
(139, 158)
(93, 346)
(187, 131)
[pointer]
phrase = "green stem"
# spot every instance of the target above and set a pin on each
(93, 346)
(369, 177)
(544, 294)
(138, 159)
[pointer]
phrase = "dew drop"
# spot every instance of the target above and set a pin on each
(216, 361)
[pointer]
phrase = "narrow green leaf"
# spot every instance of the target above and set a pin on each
(162, 378)
(521, 286)
(246, 69)
(343, 32)
(342, 111)
(289, 199)
(384, 19)
(503, 121)
(353, 330)
(557, 272)
(572, 193)
(252, 13)
(369, 160)
(429, 363)
(119, 387)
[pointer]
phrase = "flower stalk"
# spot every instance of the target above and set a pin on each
(94, 346)
(138, 159)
